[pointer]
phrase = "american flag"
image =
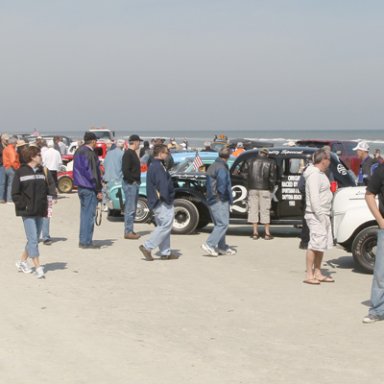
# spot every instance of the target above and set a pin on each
(197, 163)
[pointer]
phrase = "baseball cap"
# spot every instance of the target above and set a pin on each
(240, 144)
(264, 150)
(134, 138)
(89, 136)
(362, 146)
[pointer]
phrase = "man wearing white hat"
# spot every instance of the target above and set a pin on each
(362, 149)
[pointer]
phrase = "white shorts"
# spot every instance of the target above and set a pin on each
(320, 234)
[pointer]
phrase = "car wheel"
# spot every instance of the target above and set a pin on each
(65, 184)
(186, 217)
(142, 211)
(364, 249)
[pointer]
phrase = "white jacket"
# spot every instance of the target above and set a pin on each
(318, 192)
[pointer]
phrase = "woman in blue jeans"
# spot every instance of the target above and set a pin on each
(30, 189)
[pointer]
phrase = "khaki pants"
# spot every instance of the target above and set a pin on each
(259, 203)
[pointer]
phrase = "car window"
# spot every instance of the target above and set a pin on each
(296, 166)
(337, 148)
(240, 168)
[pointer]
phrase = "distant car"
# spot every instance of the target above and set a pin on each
(115, 194)
(342, 148)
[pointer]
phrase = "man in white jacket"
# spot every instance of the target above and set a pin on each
(317, 214)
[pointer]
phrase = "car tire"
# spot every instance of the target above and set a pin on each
(65, 184)
(142, 211)
(364, 249)
(186, 217)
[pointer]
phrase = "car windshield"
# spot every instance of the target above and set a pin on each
(184, 166)
(102, 135)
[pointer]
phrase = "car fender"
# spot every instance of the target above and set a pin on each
(350, 221)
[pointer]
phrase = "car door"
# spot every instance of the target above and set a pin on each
(287, 199)
(239, 209)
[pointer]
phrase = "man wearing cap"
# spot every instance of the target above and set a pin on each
(239, 149)
(131, 169)
(87, 178)
(261, 176)
(362, 149)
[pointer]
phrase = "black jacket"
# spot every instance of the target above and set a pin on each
(131, 167)
(30, 190)
(159, 185)
(261, 174)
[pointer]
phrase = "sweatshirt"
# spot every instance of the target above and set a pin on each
(318, 193)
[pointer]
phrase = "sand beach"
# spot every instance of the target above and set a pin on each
(107, 316)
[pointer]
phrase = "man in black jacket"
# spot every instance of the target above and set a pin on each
(131, 169)
(261, 178)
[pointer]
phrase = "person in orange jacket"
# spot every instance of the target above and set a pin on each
(239, 149)
(11, 162)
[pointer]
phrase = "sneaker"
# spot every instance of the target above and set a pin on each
(371, 318)
(39, 273)
(228, 251)
(211, 251)
(146, 253)
(47, 242)
(22, 266)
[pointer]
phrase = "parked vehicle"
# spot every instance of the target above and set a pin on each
(354, 227)
(343, 148)
(191, 210)
(116, 198)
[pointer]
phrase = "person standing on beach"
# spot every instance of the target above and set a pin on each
(376, 188)
(261, 176)
(3, 144)
(30, 191)
(87, 178)
(317, 214)
(161, 194)
(11, 163)
(131, 169)
(362, 149)
(219, 199)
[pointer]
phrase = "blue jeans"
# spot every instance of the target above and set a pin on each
(88, 204)
(377, 292)
(161, 236)
(45, 229)
(32, 227)
(2, 183)
(220, 217)
(131, 192)
(9, 174)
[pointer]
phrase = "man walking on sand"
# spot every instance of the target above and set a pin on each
(87, 178)
(376, 188)
(161, 194)
(219, 198)
(317, 214)
(131, 169)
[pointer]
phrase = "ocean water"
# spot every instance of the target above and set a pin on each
(196, 138)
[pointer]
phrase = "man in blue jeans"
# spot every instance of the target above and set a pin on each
(86, 175)
(376, 187)
(131, 169)
(219, 198)
(160, 194)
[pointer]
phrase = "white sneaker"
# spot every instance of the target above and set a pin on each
(211, 251)
(39, 273)
(228, 251)
(22, 266)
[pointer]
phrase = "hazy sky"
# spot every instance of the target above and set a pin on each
(191, 64)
